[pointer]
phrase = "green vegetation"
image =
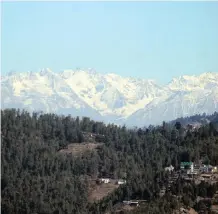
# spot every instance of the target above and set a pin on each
(36, 178)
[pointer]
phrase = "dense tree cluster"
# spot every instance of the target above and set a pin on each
(36, 178)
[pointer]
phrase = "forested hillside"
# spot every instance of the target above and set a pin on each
(37, 178)
(198, 119)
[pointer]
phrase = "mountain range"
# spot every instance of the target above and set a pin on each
(110, 97)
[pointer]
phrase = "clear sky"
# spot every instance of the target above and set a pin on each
(157, 40)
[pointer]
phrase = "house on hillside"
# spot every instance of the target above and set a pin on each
(214, 170)
(120, 182)
(208, 169)
(194, 169)
(131, 203)
(169, 169)
(104, 180)
(186, 165)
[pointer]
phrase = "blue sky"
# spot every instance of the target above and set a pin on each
(157, 40)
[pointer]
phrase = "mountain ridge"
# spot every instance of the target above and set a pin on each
(110, 97)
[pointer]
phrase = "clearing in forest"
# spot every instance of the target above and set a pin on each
(80, 148)
(99, 191)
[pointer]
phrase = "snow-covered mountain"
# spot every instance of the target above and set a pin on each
(188, 95)
(110, 97)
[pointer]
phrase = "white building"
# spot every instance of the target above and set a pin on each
(169, 169)
(105, 180)
(194, 169)
(131, 203)
(214, 169)
(121, 182)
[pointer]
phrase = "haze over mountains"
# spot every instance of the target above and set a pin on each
(110, 97)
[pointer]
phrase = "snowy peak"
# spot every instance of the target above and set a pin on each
(204, 81)
(45, 71)
(110, 93)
